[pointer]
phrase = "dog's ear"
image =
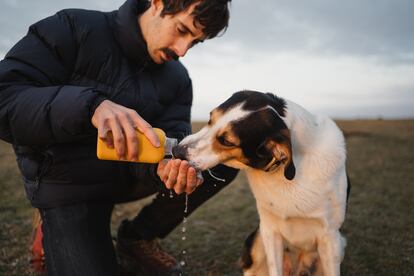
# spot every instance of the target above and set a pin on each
(290, 170)
(262, 150)
(282, 151)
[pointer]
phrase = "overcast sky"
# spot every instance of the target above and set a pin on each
(345, 59)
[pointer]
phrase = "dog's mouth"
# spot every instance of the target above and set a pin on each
(181, 152)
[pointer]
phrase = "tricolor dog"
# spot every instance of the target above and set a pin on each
(295, 164)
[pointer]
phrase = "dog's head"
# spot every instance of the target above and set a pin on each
(247, 130)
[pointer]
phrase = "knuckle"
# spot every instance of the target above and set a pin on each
(132, 138)
(131, 112)
(106, 120)
(146, 126)
(119, 139)
(122, 116)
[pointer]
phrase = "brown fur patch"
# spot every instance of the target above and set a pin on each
(228, 153)
(215, 116)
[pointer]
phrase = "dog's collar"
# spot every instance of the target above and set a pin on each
(272, 165)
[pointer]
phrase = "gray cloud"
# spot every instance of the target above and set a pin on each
(376, 33)
(17, 15)
(379, 28)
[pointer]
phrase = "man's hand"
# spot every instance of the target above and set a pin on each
(123, 123)
(179, 175)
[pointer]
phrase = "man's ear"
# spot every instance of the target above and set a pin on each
(157, 6)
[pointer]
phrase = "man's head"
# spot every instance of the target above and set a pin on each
(171, 27)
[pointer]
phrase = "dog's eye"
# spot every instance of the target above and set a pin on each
(225, 142)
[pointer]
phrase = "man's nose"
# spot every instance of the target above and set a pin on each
(182, 46)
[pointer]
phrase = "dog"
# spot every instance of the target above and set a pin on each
(295, 165)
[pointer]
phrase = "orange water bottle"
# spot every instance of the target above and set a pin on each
(147, 153)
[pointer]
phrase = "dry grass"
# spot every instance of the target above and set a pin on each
(379, 225)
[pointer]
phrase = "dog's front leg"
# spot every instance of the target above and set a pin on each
(330, 248)
(273, 245)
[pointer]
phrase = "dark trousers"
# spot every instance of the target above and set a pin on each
(77, 238)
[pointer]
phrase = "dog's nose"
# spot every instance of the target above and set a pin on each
(180, 152)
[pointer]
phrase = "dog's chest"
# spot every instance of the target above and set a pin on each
(294, 210)
(285, 198)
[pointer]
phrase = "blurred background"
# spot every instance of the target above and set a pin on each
(346, 59)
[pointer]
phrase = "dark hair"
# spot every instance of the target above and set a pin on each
(212, 15)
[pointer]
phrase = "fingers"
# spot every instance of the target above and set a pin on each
(118, 139)
(146, 129)
(179, 175)
(165, 173)
(122, 122)
(106, 135)
(191, 180)
(181, 184)
(160, 168)
(131, 141)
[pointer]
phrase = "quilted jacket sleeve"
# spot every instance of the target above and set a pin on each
(176, 120)
(36, 105)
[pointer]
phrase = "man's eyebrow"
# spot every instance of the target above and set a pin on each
(186, 28)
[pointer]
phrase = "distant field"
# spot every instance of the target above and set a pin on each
(379, 225)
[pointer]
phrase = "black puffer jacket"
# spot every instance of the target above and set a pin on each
(53, 79)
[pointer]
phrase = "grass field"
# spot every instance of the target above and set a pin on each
(379, 226)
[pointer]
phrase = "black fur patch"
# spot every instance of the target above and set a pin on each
(254, 130)
(254, 100)
(246, 259)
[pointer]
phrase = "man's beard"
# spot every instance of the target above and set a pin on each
(170, 53)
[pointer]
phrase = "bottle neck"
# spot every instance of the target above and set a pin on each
(168, 146)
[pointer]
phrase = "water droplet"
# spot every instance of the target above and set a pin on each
(184, 252)
(215, 185)
(186, 204)
(171, 194)
(183, 229)
(182, 263)
(183, 238)
(163, 195)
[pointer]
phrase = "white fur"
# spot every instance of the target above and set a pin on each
(200, 152)
(305, 212)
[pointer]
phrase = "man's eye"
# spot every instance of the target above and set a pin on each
(225, 142)
(181, 31)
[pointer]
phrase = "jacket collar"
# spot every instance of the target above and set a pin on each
(128, 32)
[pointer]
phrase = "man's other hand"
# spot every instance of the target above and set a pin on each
(179, 175)
(122, 122)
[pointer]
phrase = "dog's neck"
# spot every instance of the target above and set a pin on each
(303, 127)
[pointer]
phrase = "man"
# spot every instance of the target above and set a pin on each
(79, 74)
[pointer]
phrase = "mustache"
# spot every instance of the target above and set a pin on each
(170, 53)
